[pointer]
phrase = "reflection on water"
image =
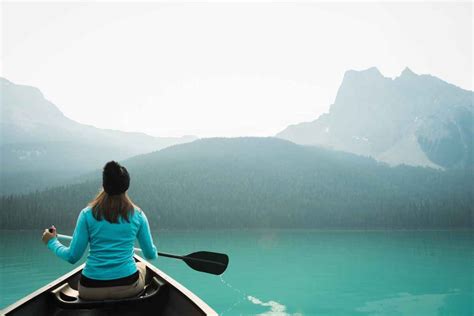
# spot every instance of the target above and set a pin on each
(406, 304)
(290, 272)
(275, 308)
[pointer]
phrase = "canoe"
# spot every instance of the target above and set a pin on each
(162, 296)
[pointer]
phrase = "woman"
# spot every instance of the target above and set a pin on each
(110, 224)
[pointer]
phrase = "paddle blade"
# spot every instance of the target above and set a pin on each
(209, 262)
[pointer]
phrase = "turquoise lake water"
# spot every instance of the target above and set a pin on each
(292, 272)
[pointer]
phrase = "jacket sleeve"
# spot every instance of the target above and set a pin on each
(80, 240)
(144, 238)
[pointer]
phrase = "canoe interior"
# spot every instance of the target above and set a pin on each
(169, 300)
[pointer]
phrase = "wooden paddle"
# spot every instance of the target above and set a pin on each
(204, 261)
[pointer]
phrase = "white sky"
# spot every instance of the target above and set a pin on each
(222, 69)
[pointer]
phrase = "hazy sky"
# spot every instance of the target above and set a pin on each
(227, 69)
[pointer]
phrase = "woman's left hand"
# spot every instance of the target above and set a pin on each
(47, 235)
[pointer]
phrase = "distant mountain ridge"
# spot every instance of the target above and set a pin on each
(413, 119)
(40, 147)
(265, 183)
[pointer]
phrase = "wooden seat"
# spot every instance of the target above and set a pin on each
(68, 298)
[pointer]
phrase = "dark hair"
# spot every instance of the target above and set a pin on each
(111, 207)
(112, 201)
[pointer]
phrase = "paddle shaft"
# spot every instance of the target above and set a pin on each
(162, 254)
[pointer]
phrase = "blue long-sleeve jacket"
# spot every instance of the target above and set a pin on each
(111, 245)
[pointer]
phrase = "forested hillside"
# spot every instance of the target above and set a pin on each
(265, 182)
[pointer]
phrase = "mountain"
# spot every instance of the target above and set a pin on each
(413, 119)
(264, 182)
(40, 147)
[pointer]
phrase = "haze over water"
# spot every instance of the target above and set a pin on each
(292, 272)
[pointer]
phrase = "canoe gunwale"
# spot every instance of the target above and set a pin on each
(48, 287)
(190, 296)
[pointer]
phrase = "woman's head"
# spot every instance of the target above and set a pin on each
(115, 178)
(112, 201)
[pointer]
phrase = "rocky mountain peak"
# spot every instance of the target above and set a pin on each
(372, 73)
(413, 119)
(407, 72)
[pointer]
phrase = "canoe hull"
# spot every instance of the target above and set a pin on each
(171, 299)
